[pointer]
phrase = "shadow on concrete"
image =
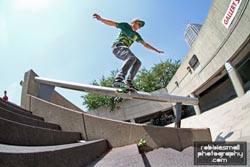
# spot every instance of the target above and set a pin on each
(145, 160)
(219, 137)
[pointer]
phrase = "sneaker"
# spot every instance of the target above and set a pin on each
(129, 83)
(119, 83)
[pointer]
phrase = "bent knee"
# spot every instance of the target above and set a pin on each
(138, 61)
(132, 59)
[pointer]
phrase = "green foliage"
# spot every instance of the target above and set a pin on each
(158, 77)
(94, 101)
(142, 146)
(142, 142)
(147, 80)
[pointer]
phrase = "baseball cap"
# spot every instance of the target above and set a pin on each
(138, 20)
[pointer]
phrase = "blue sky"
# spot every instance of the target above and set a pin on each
(59, 39)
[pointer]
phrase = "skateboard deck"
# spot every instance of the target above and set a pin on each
(123, 88)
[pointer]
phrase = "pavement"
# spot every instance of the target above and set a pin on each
(228, 122)
(127, 156)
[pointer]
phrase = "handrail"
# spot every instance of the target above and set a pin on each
(113, 92)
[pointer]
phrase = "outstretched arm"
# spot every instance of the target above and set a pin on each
(151, 47)
(107, 22)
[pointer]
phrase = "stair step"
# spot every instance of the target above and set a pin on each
(120, 157)
(12, 116)
(14, 133)
(73, 155)
(14, 108)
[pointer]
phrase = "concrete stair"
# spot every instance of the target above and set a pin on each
(69, 155)
(16, 109)
(27, 141)
(25, 129)
(20, 134)
(24, 119)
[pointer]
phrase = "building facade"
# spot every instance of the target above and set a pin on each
(191, 32)
(216, 68)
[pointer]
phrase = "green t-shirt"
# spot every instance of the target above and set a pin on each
(127, 35)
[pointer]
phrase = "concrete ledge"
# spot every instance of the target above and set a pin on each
(12, 116)
(117, 133)
(19, 134)
(189, 135)
(121, 133)
(69, 120)
(73, 155)
(13, 108)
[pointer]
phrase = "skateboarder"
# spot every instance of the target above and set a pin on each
(121, 49)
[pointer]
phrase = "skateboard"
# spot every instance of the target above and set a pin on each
(122, 88)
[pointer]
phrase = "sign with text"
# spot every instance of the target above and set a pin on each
(231, 12)
(220, 153)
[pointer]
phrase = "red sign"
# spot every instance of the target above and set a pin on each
(231, 12)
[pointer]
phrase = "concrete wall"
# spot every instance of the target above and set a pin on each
(209, 101)
(131, 109)
(68, 119)
(214, 46)
(117, 133)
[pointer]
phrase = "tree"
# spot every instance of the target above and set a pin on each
(94, 101)
(147, 80)
(158, 77)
